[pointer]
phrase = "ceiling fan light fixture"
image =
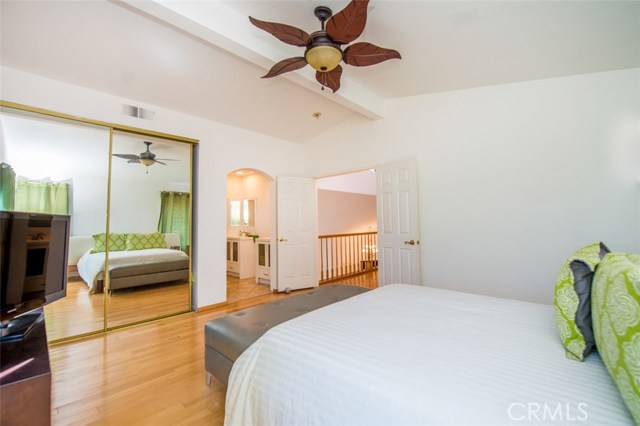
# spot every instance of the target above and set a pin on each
(147, 161)
(324, 48)
(324, 58)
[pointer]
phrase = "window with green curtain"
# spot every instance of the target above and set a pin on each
(174, 215)
(42, 197)
(7, 187)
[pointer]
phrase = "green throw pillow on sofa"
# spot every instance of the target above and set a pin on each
(117, 242)
(572, 300)
(616, 323)
(146, 241)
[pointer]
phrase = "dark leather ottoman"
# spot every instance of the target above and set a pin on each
(227, 337)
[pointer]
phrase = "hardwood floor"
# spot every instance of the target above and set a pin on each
(247, 288)
(238, 289)
(150, 374)
(368, 280)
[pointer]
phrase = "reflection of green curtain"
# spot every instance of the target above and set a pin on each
(7, 187)
(42, 197)
(174, 215)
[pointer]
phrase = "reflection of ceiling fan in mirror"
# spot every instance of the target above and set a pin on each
(147, 158)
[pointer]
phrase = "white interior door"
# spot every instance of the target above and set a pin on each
(398, 233)
(296, 233)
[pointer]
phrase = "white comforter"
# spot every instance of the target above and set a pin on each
(91, 265)
(417, 356)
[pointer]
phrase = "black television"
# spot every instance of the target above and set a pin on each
(34, 250)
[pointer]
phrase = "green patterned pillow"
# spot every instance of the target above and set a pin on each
(616, 323)
(117, 242)
(573, 300)
(146, 241)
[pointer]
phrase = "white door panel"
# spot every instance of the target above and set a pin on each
(296, 233)
(398, 233)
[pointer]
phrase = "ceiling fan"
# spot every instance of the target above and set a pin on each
(323, 48)
(147, 158)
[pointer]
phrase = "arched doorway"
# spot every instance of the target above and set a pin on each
(249, 228)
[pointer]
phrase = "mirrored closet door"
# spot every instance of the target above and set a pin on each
(57, 166)
(150, 217)
(128, 194)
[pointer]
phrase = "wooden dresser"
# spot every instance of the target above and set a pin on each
(25, 379)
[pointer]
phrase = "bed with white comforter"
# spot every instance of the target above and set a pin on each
(418, 356)
(91, 265)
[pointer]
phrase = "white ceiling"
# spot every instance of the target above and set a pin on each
(204, 58)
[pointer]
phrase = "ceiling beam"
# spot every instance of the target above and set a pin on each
(218, 24)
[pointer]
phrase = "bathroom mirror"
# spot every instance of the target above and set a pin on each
(242, 212)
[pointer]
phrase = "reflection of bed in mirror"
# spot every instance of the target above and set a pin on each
(130, 268)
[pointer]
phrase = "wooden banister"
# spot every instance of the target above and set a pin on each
(347, 235)
(344, 255)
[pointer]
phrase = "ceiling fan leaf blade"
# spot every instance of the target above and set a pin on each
(147, 156)
(348, 24)
(286, 65)
(365, 54)
(285, 33)
(127, 156)
(330, 79)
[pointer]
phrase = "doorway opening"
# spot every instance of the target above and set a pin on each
(249, 224)
(347, 229)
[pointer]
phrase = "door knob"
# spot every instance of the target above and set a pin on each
(282, 240)
(410, 242)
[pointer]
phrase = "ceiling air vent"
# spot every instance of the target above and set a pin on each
(138, 112)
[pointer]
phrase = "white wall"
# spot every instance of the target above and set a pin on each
(256, 186)
(3, 145)
(234, 186)
(345, 212)
(89, 204)
(362, 182)
(135, 204)
(222, 149)
(512, 178)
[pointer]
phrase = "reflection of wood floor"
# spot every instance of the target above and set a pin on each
(145, 302)
(81, 312)
(151, 374)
